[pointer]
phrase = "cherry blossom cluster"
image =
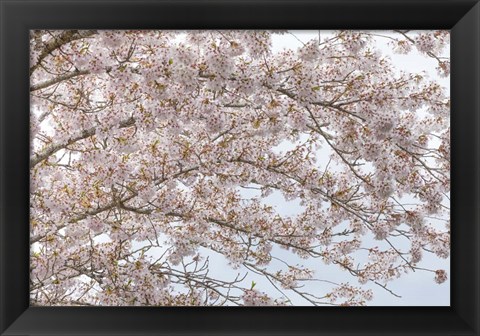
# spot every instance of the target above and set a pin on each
(143, 144)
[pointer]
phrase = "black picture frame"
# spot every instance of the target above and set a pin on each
(18, 16)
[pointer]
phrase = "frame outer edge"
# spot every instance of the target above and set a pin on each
(465, 205)
(476, 224)
(2, 170)
(3, 177)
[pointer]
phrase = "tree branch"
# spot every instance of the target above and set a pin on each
(57, 42)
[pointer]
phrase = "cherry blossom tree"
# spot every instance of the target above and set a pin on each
(142, 142)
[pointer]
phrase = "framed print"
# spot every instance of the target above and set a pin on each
(170, 167)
